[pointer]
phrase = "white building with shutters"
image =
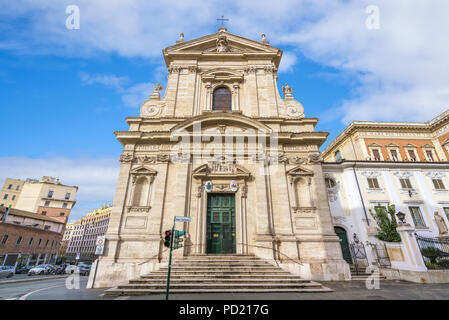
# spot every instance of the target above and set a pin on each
(417, 189)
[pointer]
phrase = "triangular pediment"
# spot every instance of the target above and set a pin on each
(300, 171)
(143, 170)
(208, 44)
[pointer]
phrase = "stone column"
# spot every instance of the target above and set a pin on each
(412, 253)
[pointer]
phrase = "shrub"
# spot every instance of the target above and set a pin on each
(386, 224)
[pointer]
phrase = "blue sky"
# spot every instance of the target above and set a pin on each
(63, 92)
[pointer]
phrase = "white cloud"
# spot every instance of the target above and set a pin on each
(401, 66)
(287, 62)
(132, 96)
(95, 177)
(109, 80)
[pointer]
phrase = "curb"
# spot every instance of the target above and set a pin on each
(29, 280)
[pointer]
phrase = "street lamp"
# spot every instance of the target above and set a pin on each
(401, 217)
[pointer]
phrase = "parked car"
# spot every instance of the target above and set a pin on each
(41, 269)
(83, 268)
(6, 271)
(24, 269)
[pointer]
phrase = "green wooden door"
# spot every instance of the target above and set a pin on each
(341, 233)
(220, 224)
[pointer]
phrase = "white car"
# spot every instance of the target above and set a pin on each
(6, 271)
(41, 269)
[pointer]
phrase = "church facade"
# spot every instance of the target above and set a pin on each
(225, 149)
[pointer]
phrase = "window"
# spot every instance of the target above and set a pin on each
(9, 187)
(47, 203)
(19, 240)
(376, 154)
(429, 155)
(17, 188)
(405, 183)
(64, 205)
(61, 214)
(411, 155)
(44, 213)
(39, 242)
(50, 193)
(67, 195)
(373, 183)
(30, 242)
(222, 99)
(417, 217)
(5, 239)
(438, 184)
(394, 155)
(338, 155)
(5, 197)
(13, 197)
(46, 243)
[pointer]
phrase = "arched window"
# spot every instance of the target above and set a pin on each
(222, 99)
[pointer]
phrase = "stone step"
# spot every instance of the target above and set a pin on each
(220, 268)
(221, 273)
(134, 292)
(313, 285)
(223, 262)
(229, 276)
(216, 280)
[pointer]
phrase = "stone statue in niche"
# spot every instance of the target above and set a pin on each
(441, 224)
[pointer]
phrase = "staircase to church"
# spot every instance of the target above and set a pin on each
(218, 274)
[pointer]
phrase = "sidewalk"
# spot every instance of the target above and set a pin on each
(17, 278)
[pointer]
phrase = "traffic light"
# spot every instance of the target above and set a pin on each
(178, 240)
(167, 241)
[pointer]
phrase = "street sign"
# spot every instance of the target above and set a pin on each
(183, 219)
(99, 250)
(100, 240)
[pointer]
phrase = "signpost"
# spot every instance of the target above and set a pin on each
(174, 236)
(100, 245)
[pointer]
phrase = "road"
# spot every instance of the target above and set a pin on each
(56, 289)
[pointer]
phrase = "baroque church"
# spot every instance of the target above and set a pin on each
(223, 148)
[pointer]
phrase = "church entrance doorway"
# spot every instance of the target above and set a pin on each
(220, 224)
(341, 233)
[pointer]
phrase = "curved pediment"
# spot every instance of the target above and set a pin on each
(221, 120)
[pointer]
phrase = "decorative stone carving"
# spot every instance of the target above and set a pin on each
(222, 44)
(156, 95)
(126, 157)
(250, 69)
(151, 111)
(315, 158)
(297, 160)
(174, 69)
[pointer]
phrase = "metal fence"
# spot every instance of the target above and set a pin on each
(381, 255)
(435, 252)
(359, 258)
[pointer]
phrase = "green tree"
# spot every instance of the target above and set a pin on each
(386, 223)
